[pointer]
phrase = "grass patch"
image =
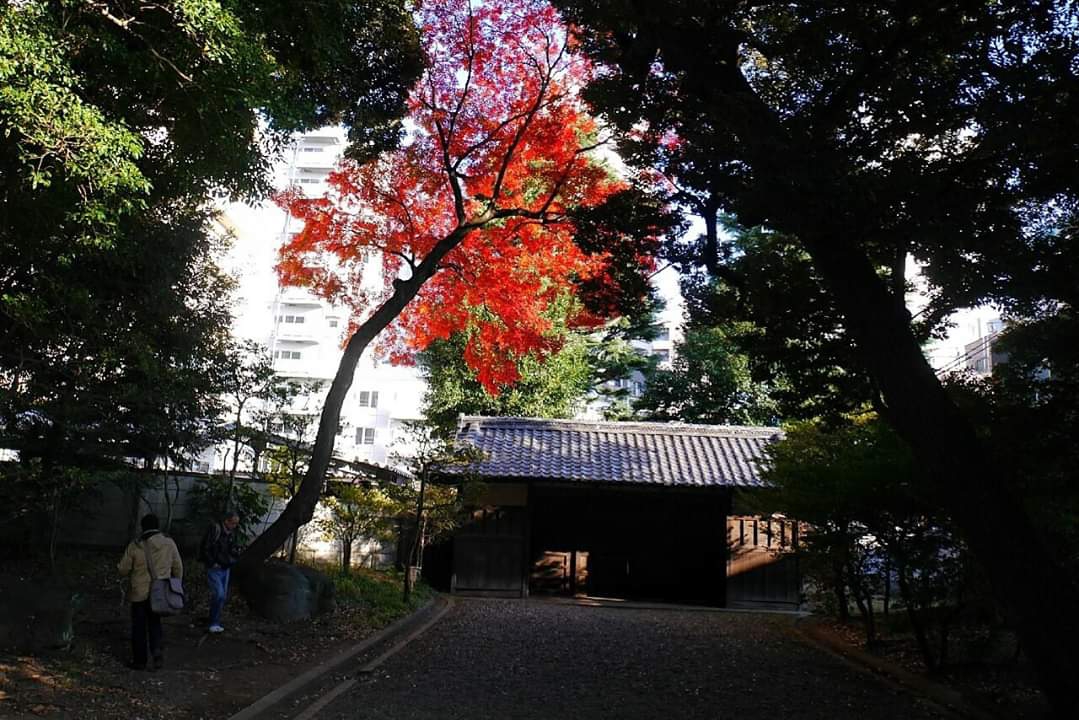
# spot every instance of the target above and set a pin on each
(378, 593)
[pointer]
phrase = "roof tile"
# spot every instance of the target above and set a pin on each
(617, 452)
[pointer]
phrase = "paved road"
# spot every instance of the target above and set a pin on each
(519, 660)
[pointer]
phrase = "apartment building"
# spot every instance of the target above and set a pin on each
(303, 333)
(662, 347)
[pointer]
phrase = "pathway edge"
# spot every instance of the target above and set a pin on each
(275, 696)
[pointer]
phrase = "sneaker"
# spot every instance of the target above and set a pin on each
(216, 629)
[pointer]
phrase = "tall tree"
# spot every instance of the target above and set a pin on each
(551, 386)
(119, 124)
(942, 131)
(107, 105)
(768, 303)
(709, 381)
(469, 219)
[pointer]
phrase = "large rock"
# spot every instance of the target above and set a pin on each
(36, 615)
(286, 593)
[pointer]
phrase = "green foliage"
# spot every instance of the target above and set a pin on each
(119, 127)
(708, 382)
(378, 594)
(281, 429)
(213, 496)
(354, 513)
(857, 487)
(549, 386)
(770, 305)
(870, 133)
(432, 510)
(628, 228)
(1030, 409)
(114, 101)
(118, 355)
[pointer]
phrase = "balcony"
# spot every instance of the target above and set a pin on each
(318, 157)
(298, 296)
(304, 333)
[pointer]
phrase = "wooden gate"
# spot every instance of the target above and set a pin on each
(489, 553)
(762, 567)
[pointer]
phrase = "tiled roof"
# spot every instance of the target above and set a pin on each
(616, 452)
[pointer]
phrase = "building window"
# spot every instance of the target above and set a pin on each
(365, 436)
(663, 355)
(663, 333)
(290, 319)
(287, 354)
(369, 398)
(312, 149)
(310, 181)
(332, 322)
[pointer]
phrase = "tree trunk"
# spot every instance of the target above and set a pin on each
(810, 196)
(841, 600)
(346, 555)
(235, 455)
(54, 529)
(839, 580)
(301, 507)
(417, 541)
(887, 584)
(1030, 580)
(921, 634)
(863, 598)
(168, 498)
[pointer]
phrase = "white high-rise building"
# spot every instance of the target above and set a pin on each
(304, 333)
(663, 347)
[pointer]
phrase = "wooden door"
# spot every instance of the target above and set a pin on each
(762, 565)
(489, 552)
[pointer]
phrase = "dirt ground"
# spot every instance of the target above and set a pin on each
(990, 673)
(205, 676)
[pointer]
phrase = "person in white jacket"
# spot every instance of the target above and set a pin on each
(151, 551)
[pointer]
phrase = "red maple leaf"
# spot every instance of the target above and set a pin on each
(467, 222)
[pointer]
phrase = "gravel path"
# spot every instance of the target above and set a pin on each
(522, 660)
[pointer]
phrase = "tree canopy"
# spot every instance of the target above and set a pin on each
(119, 125)
(869, 132)
(709, 381)
(470, 222)
(108, 106)
(551, 386)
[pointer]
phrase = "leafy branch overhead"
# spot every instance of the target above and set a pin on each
(480, 198)
(467, 225)
(107, 98)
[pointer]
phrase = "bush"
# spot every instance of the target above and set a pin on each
(377, 592)
(210, 499)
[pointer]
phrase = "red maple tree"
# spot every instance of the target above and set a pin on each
(468, 219)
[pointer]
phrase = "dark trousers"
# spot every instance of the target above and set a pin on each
(145, 626)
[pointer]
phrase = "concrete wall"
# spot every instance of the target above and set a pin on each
(104, 518)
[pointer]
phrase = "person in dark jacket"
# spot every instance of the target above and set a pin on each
(152, 556)
(219, 553)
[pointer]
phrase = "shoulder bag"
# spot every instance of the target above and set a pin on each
(166, 594)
